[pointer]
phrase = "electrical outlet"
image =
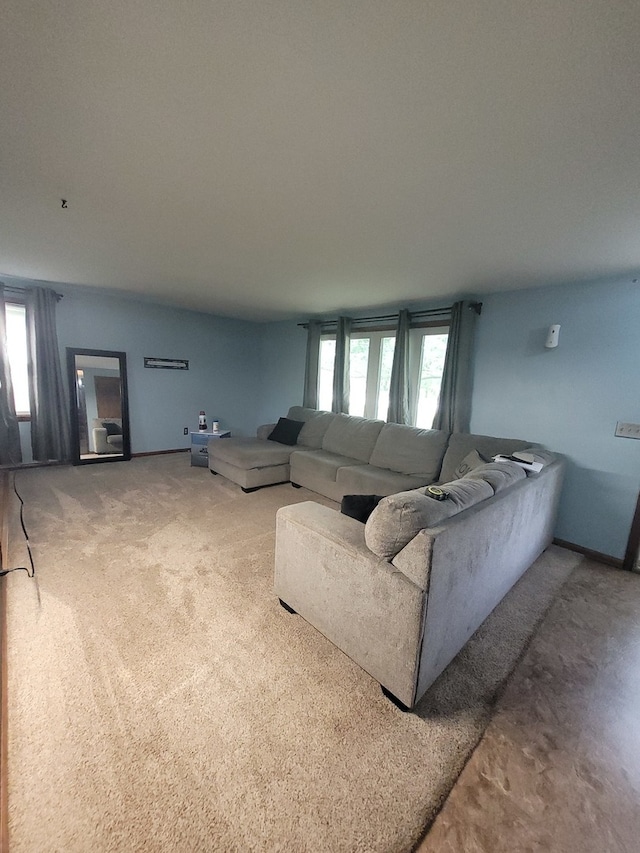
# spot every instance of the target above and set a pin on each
(186, 430)
(624, 430)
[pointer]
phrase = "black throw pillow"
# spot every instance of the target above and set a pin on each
(112, 428)
(359, 507)
(286, 431)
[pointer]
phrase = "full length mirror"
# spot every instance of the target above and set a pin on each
(99, 405)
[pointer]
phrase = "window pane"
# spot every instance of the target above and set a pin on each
(384, 377)
(325, 378)
(434, 348)
(17, 349)
(358, 366)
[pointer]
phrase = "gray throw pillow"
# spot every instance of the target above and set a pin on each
(471, 460)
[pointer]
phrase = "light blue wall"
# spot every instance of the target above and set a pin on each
(223, 363)
(569, 398)
(283, 353)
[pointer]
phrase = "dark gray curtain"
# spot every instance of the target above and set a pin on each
(310, 396)
(454, 406)
(398, 412)
(10, 453)
(50, 437)
(341, 366)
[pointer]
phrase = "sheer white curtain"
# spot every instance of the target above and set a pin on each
(10, 453)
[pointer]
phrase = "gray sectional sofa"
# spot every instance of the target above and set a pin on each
(337, 455)
(402, 593)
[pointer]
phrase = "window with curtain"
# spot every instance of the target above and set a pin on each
(15, 314)
(370, 363)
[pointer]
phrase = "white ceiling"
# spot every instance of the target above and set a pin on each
(277, 158)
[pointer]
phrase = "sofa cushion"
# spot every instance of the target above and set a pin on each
(362, 479)
(248, 453)
(544, 457)
(286, 431)
(400, 517)
(499, 475)
(314, 429)
(315, 422)
(409, 450)
(352, 437)
(317, 463)
(303, 413)
(462, 443)
(464, 493)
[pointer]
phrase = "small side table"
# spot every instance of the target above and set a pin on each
(200, 446)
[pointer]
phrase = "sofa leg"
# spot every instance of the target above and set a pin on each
(215, 473)
(286, 606)
(404, 708)
(296, 486)
(248, 491)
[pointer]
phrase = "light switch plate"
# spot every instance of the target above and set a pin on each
(625, 430)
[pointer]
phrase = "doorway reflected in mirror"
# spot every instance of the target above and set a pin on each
(99, 405)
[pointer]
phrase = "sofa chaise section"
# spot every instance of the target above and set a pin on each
(256, 462)
(250, 462)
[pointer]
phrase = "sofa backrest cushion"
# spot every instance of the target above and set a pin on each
(400, 517)
(409, 450)
(352, 437)
(462, 443)
(539, 454)
(315, 425)
(499, 475)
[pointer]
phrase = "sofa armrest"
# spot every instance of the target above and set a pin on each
(361, 603)
(265, 431)
(100, 440)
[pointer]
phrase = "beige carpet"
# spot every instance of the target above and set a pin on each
(162, 700)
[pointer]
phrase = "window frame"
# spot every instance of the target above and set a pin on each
(415, 362)
(376, 334)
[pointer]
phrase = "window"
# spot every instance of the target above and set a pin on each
(370, 364)
(425, 385)
(17, 351)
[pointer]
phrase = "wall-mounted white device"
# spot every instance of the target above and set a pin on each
(552, 336)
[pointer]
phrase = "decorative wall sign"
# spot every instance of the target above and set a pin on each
(168, 363)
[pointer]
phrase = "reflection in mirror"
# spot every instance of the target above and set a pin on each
(99, 409)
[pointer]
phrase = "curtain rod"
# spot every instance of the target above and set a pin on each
(14, 288)
(430, 312)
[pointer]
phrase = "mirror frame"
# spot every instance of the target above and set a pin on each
(72, 352)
